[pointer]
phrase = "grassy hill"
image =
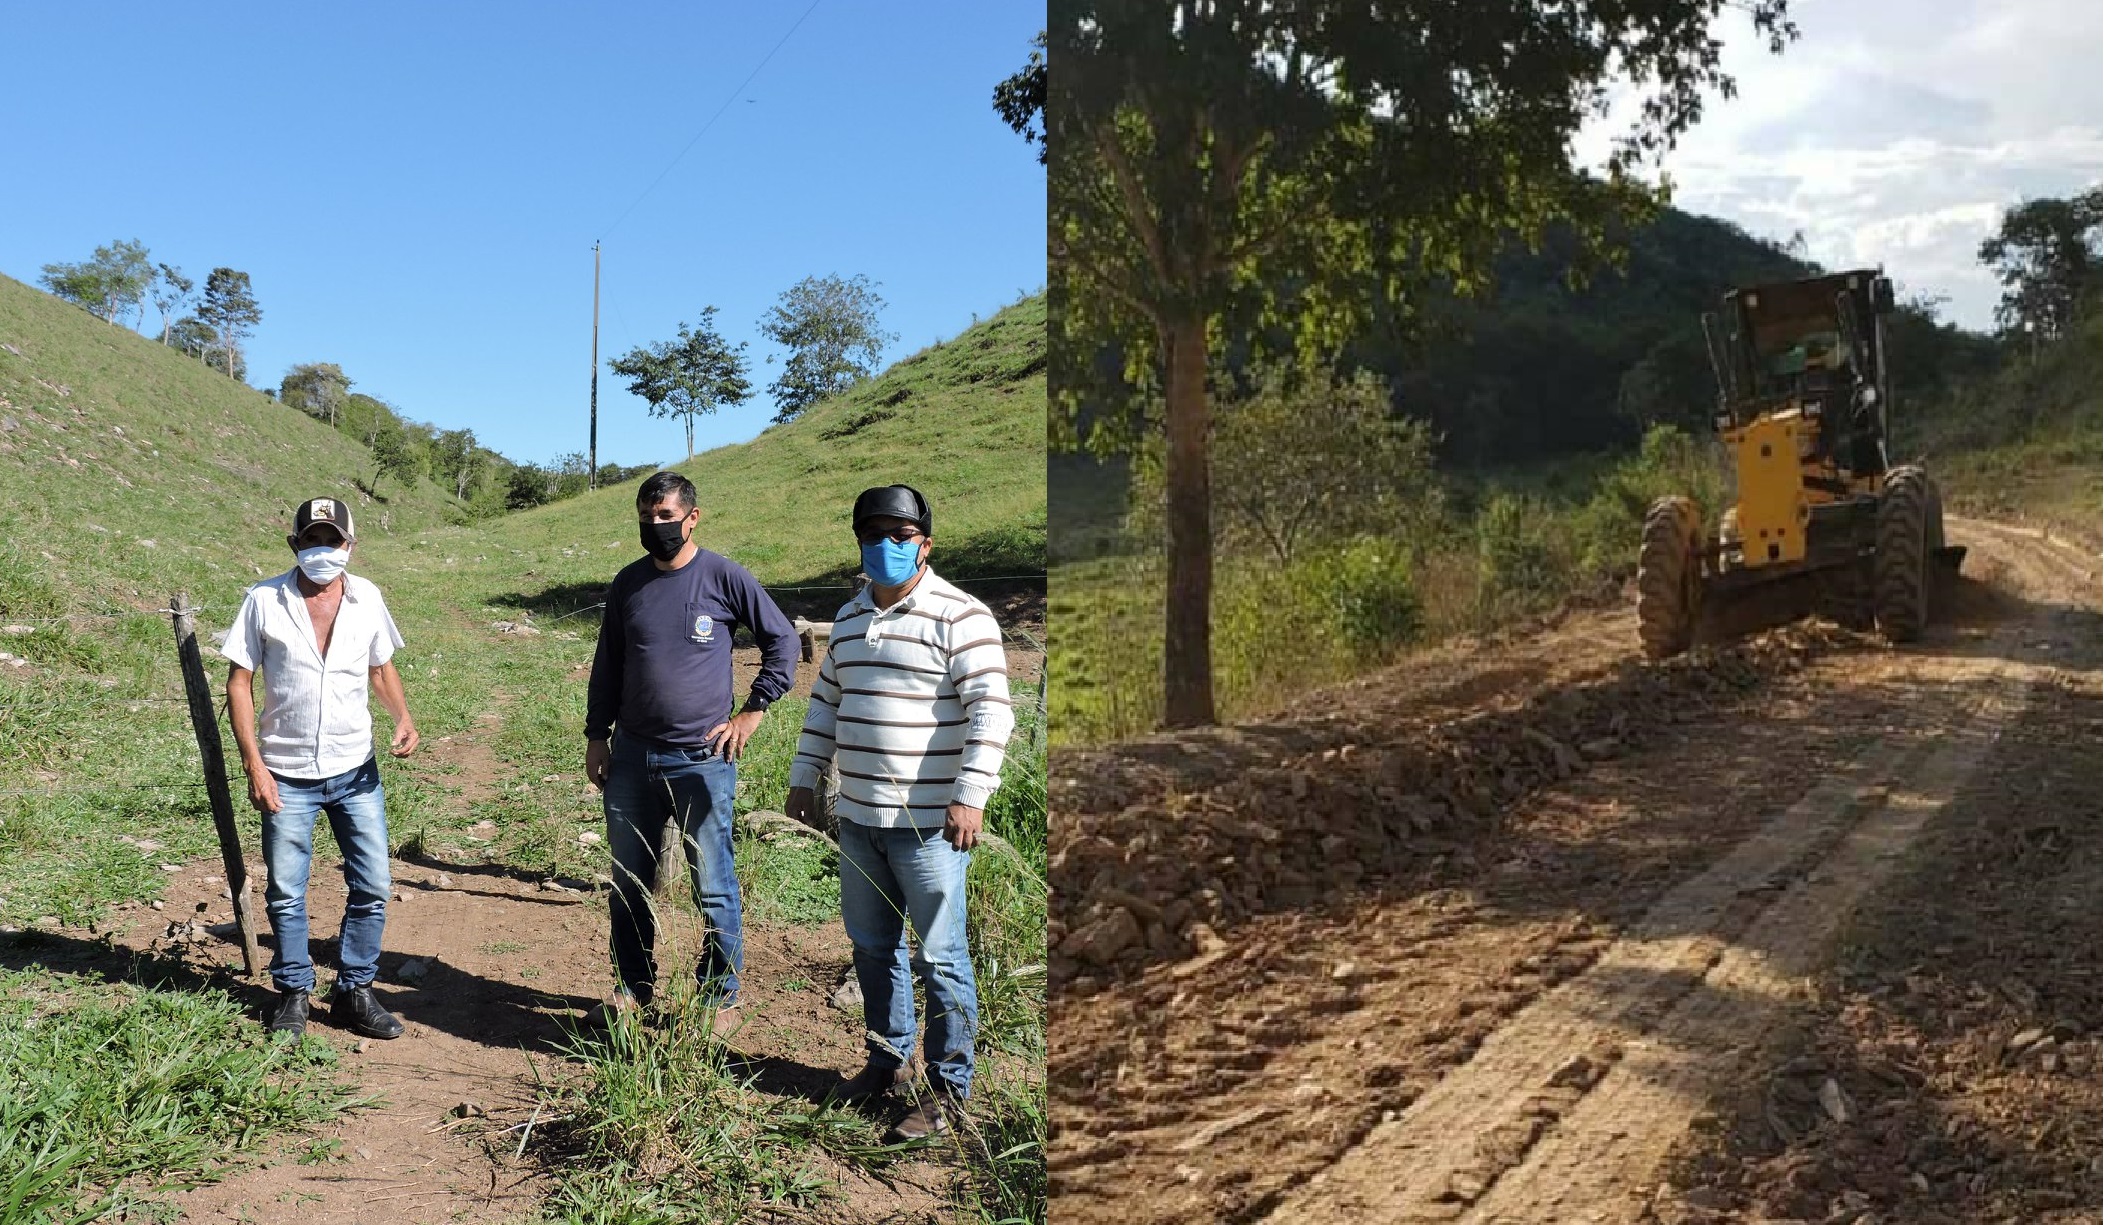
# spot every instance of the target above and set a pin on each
(126, 466)
(963, 421)
(128, 472)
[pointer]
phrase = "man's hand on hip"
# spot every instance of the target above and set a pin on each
(728, 739)
(597, 753)
(802, 807)
(960, 826)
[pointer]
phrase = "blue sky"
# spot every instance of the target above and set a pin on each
(1897, 132)
(415, 189)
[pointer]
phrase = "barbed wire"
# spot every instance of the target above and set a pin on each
(983, 578)
(105, 699)
(106, 788)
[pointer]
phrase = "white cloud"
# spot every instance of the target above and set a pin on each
(1895, 132)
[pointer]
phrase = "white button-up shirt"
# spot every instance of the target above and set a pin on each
(316, 720)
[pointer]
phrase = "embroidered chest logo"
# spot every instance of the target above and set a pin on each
(704, 628)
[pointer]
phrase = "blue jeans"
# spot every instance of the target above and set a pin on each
(886, 877)
(358, 818)
(647, 784)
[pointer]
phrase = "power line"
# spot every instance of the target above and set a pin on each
(711, 123)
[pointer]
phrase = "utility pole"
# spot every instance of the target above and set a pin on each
(592, 481)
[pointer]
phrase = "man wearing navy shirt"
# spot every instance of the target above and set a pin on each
(662, 741)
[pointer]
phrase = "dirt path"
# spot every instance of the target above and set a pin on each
(1528, 1015)
(506, 962)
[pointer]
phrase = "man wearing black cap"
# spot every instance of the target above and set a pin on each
(912, 702)
(662, 677)
(319, 636)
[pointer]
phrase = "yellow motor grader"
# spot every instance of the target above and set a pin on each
(1802, 408)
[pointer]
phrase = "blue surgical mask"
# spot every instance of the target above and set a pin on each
(889, 563)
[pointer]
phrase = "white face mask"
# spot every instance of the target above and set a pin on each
(322, 564)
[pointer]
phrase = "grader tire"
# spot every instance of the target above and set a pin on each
(1905, 506)
(1668, 578)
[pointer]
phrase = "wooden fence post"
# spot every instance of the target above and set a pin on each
(672, 859)
(206, 724)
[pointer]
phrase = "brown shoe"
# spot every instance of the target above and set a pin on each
(874, 1081)
(929, 1118)
(607, 1014)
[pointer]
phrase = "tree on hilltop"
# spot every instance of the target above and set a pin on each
(171, 293)
(193, 337)
(319, 389)
(829, 325)
(685, 378)
(107, 286)
(229, 308)
(2045, 254)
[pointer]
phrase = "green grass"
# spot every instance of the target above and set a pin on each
(184, 483)
(110, 1094)
(621, 1156)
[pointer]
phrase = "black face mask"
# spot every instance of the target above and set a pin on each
(663, 540)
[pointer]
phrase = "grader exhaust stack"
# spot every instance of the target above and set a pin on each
(1802, 408)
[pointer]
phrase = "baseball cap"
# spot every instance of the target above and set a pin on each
(331, 511)
(900, 502)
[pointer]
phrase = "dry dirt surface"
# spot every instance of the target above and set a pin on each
(507, 966)
(1799, 929)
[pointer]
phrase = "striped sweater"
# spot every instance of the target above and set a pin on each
(913, 702)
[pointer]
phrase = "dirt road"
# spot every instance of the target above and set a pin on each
(1801, 929)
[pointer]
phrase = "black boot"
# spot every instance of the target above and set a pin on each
(289, 1014)
(356, 1009)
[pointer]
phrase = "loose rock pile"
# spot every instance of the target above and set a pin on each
(1157, 880)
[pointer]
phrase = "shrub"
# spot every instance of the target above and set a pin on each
(1521, 563)
(1371, 595)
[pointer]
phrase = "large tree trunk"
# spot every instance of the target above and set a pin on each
(1187, 641)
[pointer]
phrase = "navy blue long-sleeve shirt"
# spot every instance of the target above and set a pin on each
(663, 669)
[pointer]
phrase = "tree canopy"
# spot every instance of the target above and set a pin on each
(456, 457)
(319, 389)
(2045, 254)
(829, 325)
(110, 285)
(171, 293)
(687, 377)
(1299, 456)
(229, 308)
(1020, 100)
